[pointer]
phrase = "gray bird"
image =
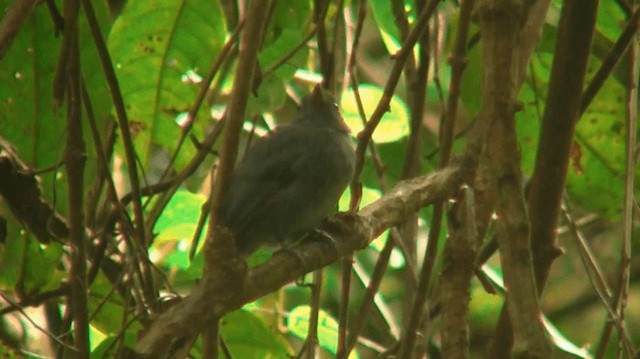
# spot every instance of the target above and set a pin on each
(290, 180)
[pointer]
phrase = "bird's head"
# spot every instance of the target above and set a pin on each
(320, 109)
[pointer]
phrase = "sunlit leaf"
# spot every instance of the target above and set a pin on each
(247, 336)
(394, 124)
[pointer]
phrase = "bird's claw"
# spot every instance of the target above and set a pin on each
(328, 238)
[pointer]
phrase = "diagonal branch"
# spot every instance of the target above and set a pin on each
(556, 138)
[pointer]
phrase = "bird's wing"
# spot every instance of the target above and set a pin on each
(266, 170)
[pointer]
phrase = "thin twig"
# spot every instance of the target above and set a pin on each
(130, 156)
(610, 61)
(12, 19)
(75, 159)
(192, 114)
(311, 342)
(596, 277)
(371, 291)
(291, 53)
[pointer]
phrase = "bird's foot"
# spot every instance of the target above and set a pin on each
(301, 281)
(327, 238)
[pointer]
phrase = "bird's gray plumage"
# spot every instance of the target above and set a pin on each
(289, 181)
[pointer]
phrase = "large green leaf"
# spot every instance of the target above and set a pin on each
(594, 179)
(248, 337)
(27, 266)
(161, 49)
(394, 124)
(28, 119)
(27, 116)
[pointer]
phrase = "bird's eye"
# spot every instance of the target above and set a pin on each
(335, 105)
